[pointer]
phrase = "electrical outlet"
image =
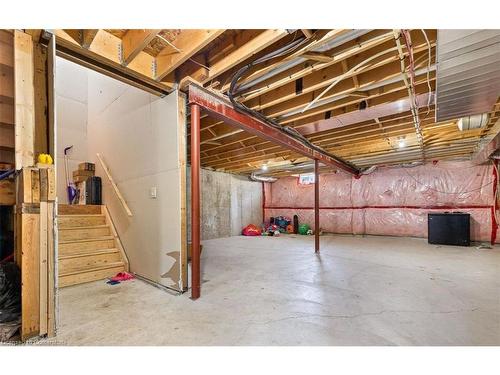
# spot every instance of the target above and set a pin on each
(152, 192)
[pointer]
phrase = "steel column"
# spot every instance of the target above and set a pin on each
(316, 205)
(195, 201)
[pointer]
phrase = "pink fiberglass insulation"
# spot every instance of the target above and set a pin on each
(391, 201)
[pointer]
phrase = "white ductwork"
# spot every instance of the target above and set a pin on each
(468, 72)
(473, 122)
(255, 177)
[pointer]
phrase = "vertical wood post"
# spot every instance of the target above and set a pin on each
(195, 201)
(316, 205)
(24, 100)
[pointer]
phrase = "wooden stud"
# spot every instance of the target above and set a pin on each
(44, 184)
(40, 100)
(24, 186)
(35, 185)
(30, 273)
(51, 271)
(51, 185)
(7, 192)
(24, 99)
(43, 268)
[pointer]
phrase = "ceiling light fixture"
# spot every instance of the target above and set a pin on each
(401, 143)
(264, 167)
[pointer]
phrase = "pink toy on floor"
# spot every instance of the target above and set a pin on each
(122, 276)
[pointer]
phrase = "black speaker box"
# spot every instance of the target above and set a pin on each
(93, 189)
(449, 228)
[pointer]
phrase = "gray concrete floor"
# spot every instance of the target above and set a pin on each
(276, 291)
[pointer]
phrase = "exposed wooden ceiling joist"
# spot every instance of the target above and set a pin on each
(239, 55)
(134, 42)
(282, 87)
(186, 45)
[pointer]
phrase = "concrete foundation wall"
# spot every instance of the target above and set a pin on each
(228, 203)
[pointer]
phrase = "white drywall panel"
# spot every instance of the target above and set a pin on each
(71, 93)
(136, 134)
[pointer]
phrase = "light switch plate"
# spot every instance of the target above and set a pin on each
(152, 192)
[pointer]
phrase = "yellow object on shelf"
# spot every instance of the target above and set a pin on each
(45, 159)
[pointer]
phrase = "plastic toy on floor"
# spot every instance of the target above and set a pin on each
(303, 228)
(282, 222)
(251, 230)
(271, 229)
(119, 277)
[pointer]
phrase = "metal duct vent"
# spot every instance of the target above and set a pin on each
(468, 72)
(473, 122)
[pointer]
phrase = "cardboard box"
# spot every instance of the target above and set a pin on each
(86, 166)
(82, 175)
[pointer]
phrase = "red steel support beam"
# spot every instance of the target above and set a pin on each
(195, 201)
(223, 110)
(316, 206)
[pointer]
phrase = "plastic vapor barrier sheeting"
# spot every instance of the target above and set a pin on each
(392, 201)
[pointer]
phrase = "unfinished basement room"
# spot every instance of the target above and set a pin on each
(249, 187)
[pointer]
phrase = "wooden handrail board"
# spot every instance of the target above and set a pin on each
(115, 187)
(118, 242)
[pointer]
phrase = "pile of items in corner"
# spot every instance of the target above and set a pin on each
(10, 300)
(276, 226)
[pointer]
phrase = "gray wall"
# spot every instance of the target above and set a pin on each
(228, 203)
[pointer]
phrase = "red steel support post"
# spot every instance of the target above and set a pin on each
(316, 205)
(195, 201)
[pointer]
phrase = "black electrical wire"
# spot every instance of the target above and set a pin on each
(233, 91)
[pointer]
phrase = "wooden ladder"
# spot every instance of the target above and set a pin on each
(89, 247)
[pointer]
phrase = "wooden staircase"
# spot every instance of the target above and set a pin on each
(89, 247)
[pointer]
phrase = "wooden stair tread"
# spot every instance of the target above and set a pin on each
(89, 247)
(93, 269)
(82, 215)
(75, 209)
(88, 239)
(85, 227)
(85, 253)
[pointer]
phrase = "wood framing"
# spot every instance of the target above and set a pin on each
(24, 99)
(104, 56)
(28, 249)
(7, 193)
(239, 55)
(134, 42)
(88, 37)
(40, 103)
(188, 43)
(365, 66)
